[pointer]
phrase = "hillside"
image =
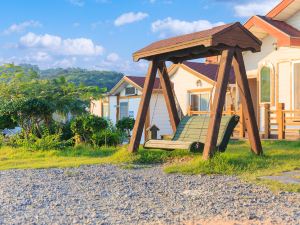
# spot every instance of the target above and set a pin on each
(102, 79)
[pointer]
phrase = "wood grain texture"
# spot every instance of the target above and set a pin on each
(218, 103)
(247, 104)
(168, 94)
(143, 107)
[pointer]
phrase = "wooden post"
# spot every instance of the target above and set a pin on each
(168, 94)
(218, 103)
(247, 104)
(267, 120)
(242, 121)
(143, 107)
(280, 121)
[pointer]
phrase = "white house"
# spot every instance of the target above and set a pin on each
(123, 101)
(194, 83)
(274, 73)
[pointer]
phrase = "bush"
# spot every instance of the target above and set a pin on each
(87, 125)
(1, 140)
(106, 138)
(7, 122)
(126, 124)
(46, 142)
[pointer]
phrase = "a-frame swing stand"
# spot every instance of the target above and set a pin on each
(228, 41)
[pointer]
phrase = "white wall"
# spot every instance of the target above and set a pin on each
(95, 107)
(159, 114)
(113, 109)
(184, 81)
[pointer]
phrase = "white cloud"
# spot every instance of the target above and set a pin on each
(130, 17)
(19, 27)
(79, 3)
(113, 57)
(59, 46)
(169, 26)
(255, 8)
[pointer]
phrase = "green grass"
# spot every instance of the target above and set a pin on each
(278, 156)
(20, 158)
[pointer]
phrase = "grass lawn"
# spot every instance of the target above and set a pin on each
(237, 160)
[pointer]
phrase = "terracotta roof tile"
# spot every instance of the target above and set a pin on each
(208, 70)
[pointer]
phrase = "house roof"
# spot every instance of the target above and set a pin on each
(282, 26)
(139, 81)
(200, 44)
(262, 26)
(208, 70)
(284, 10)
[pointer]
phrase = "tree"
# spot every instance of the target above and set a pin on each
(126, 124)
(31, 101)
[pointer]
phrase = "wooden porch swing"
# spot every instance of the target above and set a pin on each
(229, 41)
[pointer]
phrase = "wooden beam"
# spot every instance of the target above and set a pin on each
(143, 107)
(168, 94)
(218, 103)
(247, 104)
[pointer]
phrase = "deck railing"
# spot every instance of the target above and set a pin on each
(278, 123)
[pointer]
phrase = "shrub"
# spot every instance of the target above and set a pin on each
(1, 140)
(126, 124)
(7, 122)
(46, 142)
(87, 125)
(106, 138)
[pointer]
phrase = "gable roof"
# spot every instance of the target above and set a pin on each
(139, 81)
(261, 26)
(135, 81)
(208, 70)
(284, 10)
(232, 35)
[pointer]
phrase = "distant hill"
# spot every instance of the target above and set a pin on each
(102, 79)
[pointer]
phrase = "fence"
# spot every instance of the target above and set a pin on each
(278, 123)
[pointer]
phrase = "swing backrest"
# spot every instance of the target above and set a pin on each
(194, 128)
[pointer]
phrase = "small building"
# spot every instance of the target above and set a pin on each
(193, 86)
(123, 101)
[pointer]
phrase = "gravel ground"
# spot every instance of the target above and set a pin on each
(110, 195)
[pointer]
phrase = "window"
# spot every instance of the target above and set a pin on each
(296, 85)
(105, 110)
(123, 109)
(265, 85)
(200, 102)
(130, 91)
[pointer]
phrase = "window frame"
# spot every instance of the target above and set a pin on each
(293, 83)
(271, 82)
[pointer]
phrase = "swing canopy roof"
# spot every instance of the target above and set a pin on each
(200, 44)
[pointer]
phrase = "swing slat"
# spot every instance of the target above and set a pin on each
(191, 134)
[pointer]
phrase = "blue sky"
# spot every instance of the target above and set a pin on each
(103, 34)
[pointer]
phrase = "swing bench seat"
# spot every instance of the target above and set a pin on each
(191, 134)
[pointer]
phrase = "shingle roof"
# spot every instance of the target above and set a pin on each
(208, 70)
(282, 26)
(141, 80)
(233, 34)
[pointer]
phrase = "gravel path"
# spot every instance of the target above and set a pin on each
(110, 195)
